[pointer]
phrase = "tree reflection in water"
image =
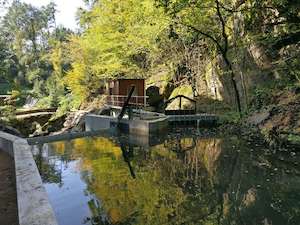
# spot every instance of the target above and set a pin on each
(183, 180)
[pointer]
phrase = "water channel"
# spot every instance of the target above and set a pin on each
(178, 179)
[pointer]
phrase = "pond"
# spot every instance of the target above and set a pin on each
(178, 179)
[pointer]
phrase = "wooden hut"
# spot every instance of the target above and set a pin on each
(119, 89)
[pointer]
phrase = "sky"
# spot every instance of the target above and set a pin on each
(66, 10)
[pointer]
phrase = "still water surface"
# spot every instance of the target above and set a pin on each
(188, 179)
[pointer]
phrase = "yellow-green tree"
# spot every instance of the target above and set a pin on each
(120, 39)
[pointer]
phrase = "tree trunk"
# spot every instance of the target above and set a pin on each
(234, 84)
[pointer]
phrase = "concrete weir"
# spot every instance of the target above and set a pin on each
(33, 204)
(150, 125)
(143, 127)
(137, 126)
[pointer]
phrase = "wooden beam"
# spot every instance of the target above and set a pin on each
(126, 104)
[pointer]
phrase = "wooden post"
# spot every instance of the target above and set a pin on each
(126, 103)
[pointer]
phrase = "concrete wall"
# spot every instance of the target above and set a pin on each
(146, 127)
(138, 127)
(33, 203)
(98, 122)
(6, 143)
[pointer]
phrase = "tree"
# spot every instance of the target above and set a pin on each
(57, 57)
(118, 41)
(204, 20)
(25, 30)
(276, 25)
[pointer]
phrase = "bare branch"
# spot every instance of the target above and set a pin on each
(223, 24)
(220, 48)
(245, 9)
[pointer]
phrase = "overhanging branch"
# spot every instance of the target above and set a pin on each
(223, 24)
(220, 48)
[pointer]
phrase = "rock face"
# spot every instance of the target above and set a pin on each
(32, 123)
(154, 96)
(251, 67)
(259, 117)
(185, 90)
(155, 99)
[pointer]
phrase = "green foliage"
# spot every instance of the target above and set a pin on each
(4, 88)
(171, 40)
(33, 51)
(7, 113)
(24, 30)
(58, 57)
(230, 117)
(295, 139)
(120, 41)
(275, 24)
(66, 104)
(261, 97)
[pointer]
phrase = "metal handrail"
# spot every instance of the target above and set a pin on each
(118, 100)
(180, 102)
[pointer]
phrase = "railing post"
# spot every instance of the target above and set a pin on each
(180, 103)
(136, 101)
(118, 100)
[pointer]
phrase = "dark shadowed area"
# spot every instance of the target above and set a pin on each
(8, 200)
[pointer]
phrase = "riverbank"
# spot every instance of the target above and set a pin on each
(278, 121)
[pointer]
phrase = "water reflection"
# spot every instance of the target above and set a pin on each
(180, 180)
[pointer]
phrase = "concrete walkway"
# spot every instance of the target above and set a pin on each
(193, 118)
(33, 204)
